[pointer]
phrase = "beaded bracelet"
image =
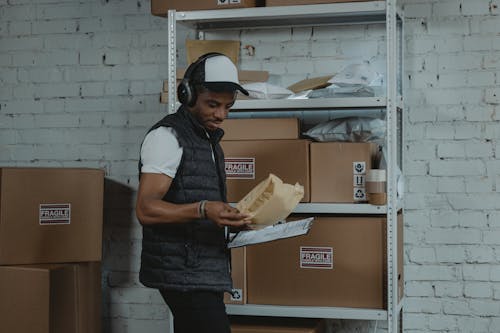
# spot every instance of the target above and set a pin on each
(201, 209)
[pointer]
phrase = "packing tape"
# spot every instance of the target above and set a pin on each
(377, 198)
(375, 187)
(376, 175)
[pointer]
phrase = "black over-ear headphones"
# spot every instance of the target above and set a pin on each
(186, 92)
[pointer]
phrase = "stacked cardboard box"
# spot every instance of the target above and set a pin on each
(50, 249)
(341, 262)
(344, 256)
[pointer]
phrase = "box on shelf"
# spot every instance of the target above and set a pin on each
(261, 129)
(239, 275)
(250, 324)
(248, 162)
(244, 76)
(50, 215)
(51, 298)
(341, 262)
(161, 7)
(338, 171)
(270, 3)
(195, 48)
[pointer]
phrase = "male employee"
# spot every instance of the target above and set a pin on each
(181, 200)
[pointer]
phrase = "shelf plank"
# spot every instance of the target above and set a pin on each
(339, 208)
(313, 103)
(306, 312)
(317, 14)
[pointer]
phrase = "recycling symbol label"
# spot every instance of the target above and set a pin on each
(236, 295)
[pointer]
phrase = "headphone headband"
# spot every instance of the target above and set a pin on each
(186, 92)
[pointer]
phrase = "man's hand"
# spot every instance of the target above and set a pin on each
(223, 214)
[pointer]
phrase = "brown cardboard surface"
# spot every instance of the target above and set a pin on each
(332, 171)
(287, 159)
(249, 324)
(24, 240)
(89, 297)
(312, 83)
(261, 129)
(239, 276)
(51, 298)
(270, 3)
(354, 278)
(38, 299)
(161, 7)
(244, 76)
(198, 47)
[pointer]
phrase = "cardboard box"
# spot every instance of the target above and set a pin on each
(341, 262)
(249, 324)
(51, 298)
(239, 276)
(261, 129)
(250, 162)
(50, 215)
(243, 76)
(270, 3)
(338, 171)
(195, 48)
(312, 83)
(161, 7)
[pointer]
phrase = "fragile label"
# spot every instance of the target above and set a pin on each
(316, 257)
(359, 168)
(240, 168)
(55, 214)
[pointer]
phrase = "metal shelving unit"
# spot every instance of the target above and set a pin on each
(386, 12)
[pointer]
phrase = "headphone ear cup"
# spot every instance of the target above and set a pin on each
(184, 92)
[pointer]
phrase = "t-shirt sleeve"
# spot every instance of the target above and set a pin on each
(160, 152)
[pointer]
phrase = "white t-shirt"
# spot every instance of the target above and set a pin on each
(160, 152)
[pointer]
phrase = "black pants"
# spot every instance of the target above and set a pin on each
(197, 311)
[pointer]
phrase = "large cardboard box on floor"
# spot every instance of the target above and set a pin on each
(261, 129)
(251, 161)
(161, 7)
(50, 215)
(270, 3)
(239, 276)
(51, 298)
(249, 324)
(340, 263)
(338, 171)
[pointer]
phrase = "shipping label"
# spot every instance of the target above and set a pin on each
(359, 180)
(240, 167)
(236, 295)
(316, 257)
(359, 194)
(359, 168)
(55, 214)
(227, 2)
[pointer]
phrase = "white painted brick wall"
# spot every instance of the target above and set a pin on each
(79, 84)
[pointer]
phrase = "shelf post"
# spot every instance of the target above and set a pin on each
(172, 60)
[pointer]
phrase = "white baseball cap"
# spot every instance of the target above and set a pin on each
(220, 73)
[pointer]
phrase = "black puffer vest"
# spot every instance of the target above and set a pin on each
(193, 255)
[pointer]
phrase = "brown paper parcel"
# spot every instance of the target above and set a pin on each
(270, 201)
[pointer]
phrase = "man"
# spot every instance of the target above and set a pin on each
(181, 200)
